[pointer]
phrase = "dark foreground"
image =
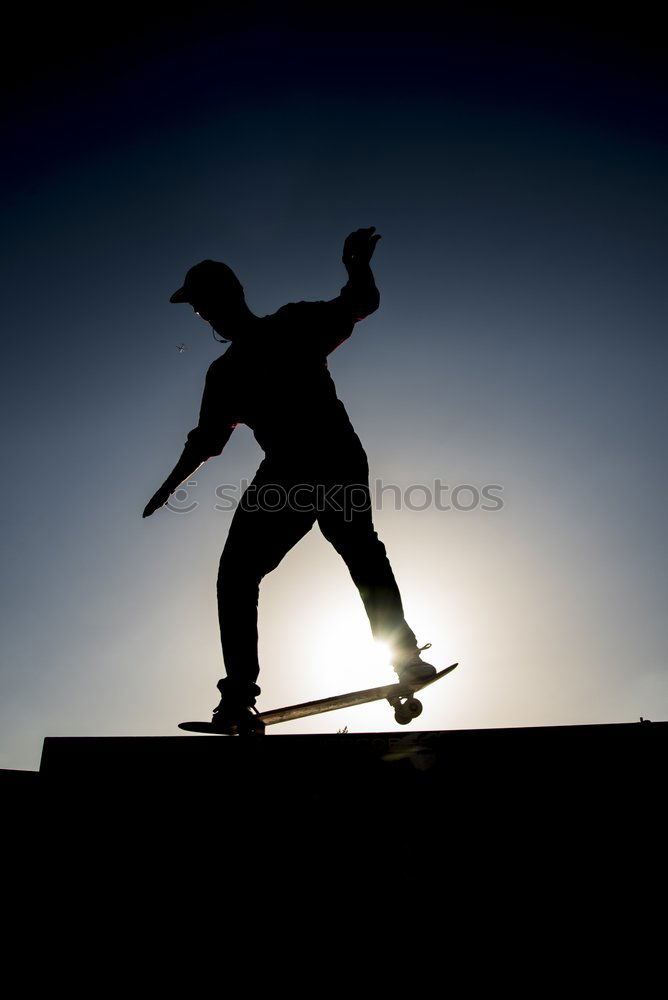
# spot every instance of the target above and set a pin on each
(193, 849)
(234, 795)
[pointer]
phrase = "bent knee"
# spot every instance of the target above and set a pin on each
(239, 569)
(350, 540)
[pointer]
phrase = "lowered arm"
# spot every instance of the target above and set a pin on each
(198, 449)
(212, 433)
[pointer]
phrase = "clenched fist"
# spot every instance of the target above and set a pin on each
(359, 246)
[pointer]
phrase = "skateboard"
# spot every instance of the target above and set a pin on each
(401, 697)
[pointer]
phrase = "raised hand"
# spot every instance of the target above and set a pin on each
(359, 246)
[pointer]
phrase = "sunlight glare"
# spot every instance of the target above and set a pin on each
(347, 658)
(381, 657)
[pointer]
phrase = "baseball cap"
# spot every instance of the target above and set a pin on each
(204, 277)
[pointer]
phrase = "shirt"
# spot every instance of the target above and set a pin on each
(276, 381)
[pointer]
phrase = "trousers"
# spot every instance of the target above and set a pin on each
(275, 512)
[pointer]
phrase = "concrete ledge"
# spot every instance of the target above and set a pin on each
(544, 796)
(530, 765)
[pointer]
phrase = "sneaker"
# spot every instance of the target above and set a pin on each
(410, 668)
(236, 714)
(240, 721)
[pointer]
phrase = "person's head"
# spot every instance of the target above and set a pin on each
(216, 294)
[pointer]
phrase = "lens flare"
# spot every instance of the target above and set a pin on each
(381, 656)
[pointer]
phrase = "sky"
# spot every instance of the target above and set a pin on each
(515, 166)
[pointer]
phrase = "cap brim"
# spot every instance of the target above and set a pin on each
(179, 295)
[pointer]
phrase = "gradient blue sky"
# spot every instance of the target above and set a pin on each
(515, 167)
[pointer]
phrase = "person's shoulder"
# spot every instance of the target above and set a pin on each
(291, 317)
(290, 310)
(305, 310)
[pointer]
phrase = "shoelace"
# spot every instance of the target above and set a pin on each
(421, 649)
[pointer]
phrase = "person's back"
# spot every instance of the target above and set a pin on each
(276, 380)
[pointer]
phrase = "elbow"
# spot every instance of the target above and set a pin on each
(205, 444)
(359, 298)
(199, 447)
(367, 306)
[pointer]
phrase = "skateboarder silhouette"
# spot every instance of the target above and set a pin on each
(274, 378)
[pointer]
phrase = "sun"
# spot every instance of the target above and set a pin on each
(345, 656)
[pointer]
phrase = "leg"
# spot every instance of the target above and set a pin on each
(352, 534)
(258, 539)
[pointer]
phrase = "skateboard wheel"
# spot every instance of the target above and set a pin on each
(403, 715)
(414, 706)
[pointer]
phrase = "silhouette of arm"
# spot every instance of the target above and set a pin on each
(200, 446)
(212, 433)
(360, 292)
(330, 322)
(359, 297)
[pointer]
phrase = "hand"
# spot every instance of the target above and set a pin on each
(359, 246)
(159, 499)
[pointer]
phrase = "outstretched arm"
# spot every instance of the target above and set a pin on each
(203, 442)
(186, 466)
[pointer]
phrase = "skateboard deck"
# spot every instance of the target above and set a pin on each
(401, 697)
